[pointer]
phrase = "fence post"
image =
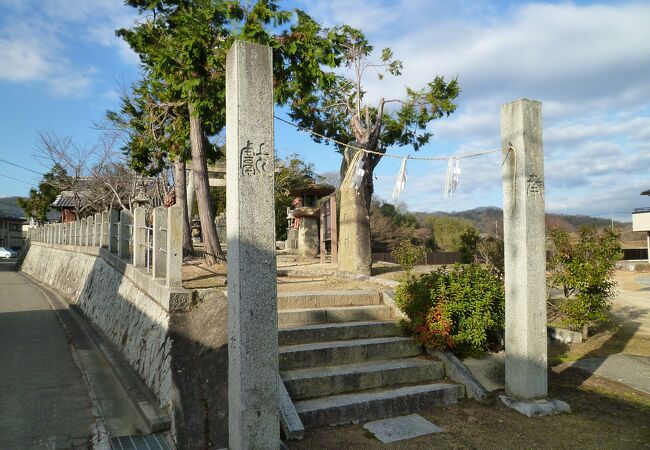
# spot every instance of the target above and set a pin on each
(90, 230)
(139, 237)
(97, 229)
(159, 262)
(174, 245)
(103, 231)
(123, 234)
(113, 224)
(83, 230)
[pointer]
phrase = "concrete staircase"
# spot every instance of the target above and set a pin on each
(344, 359)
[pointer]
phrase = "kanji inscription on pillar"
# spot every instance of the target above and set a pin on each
(255, 160)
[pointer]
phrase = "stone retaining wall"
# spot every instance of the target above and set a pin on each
(123, 310)
(177, 341)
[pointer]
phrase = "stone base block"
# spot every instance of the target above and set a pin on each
(536, 408)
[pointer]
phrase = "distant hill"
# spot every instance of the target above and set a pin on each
(9, 207)
(490, 218)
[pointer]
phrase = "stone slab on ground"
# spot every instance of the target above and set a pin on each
(401, 428)
(632, 370)
(536, 408)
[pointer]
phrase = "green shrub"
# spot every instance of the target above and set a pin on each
(469, 242)
(583, 268)
(459, 308)
(406, 254)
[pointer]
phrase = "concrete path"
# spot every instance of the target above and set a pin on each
(44, 402)
(56, 389)
(632, 370)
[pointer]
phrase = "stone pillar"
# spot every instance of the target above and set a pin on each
(307, 232)
(90, 230)
(97, 230)
(159, 258)
(253, 413)
(648, 240)
(323, 224)
(525, 255)
(139, 237)
(335, 230)
(103, 235)
(113, 224)
(174, 275)
(124, 234)
(83, 231)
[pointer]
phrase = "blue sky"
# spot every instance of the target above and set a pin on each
(588, 62)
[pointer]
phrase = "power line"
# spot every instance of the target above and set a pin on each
(21, 167)
(16, 179)
(420, 158)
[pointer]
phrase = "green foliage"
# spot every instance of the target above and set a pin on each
(583, 268)
(469, 241)
(406, 254)
(37, 205)
(337, 101)
(446, 231)
(390, 224)
(183, 44)
(462, 308)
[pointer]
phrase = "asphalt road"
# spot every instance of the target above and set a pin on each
(44, 402)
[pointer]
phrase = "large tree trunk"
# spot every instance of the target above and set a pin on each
(213, 252)
(191, 193)
(181, 200)
(355, 254)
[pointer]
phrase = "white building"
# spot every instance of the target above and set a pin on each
(641, 221)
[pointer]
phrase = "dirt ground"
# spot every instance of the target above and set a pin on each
(606, 415)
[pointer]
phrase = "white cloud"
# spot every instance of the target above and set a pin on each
(38, 41)
(23, 60)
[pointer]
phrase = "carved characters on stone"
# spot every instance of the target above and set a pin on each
(534, 185)
(255, 160)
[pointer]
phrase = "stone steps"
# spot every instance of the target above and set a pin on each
(323, 299)
(344, 359)
(338, 331)
(346, 352)
(376, 403)
(310, 316)
(332, 380)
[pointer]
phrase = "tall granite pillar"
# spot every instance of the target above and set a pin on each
(252, 299)
(525, 258)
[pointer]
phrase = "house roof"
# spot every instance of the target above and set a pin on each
(64, 200)
(646, 192)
